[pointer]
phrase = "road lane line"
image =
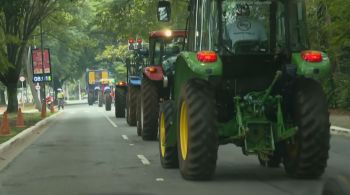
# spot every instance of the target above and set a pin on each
(131, 144)
(125, 137)
(110, 121)
(143, 159)
(159, 179)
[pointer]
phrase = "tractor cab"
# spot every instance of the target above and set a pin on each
(164, 47)
(252, 39)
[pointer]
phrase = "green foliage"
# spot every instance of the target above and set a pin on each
(329, 29)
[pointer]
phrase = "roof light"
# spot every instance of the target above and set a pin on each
(207, 56)
(131, 41)
(311, 56)
(168, 33)
(139, 40)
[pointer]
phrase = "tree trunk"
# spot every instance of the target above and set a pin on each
(2, 97)
(12, 105)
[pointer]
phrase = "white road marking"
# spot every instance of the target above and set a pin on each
(143, 159)
(159, 179)
(125, 137)
(336, 128)
(131, 144)
(110, 121)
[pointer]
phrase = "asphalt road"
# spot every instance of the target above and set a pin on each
(86, 150)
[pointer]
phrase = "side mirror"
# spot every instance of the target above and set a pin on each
(164, 11)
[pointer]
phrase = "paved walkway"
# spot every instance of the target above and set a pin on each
(70, 102)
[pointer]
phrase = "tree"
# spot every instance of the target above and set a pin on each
(18, 20)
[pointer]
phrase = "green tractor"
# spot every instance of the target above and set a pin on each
(247, 77)
(164, 46)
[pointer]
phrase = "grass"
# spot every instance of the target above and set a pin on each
(30, 119)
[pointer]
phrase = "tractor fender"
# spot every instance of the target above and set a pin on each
(154, 73)
(201, 68)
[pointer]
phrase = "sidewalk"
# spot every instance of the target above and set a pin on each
(72, 102)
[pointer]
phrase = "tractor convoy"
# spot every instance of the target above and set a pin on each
(243, 73)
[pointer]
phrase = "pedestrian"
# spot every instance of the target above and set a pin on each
(60, 97)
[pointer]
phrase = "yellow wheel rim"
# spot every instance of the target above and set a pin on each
(162, 134)
(184, 130)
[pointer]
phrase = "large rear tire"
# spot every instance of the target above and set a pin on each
(133, 92)
(149, 109)
(306, 154)
(90, 99)
(100, 99)
(108, 104)
(138, 116)
(119, 103)
(197, 132)
(168, 154)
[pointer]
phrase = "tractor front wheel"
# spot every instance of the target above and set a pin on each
(306, 154)
(119, 103)
(197, 132)
(133, 92)
(168, 154)
(149, 109)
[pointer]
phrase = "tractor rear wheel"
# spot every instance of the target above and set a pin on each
(108, 104)
(138, 116)
(168, 154)
(90, 99)
(149, 109)
(133, 92)
(306, 154)
(119, 103)
(100, 99)
(197, 132)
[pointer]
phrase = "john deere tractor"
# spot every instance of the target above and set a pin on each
(249, 78)
(164, 46)
(134, 72)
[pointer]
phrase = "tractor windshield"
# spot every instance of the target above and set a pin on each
(263, 26)
(246, 26)
(234, 27)
(166, 48)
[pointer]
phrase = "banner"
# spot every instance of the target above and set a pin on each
(38, 66)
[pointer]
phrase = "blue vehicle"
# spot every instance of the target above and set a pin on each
(134, 64)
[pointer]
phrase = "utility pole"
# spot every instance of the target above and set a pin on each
(43, 69)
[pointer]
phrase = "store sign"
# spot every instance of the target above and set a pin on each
(41, 71)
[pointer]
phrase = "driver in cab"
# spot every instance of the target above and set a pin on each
(246, 29)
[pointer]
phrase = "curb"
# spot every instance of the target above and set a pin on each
(25, 133)
(340, 130)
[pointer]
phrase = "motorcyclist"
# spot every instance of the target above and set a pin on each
(60, 97)
(245, 28)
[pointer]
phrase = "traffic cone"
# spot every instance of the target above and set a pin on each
(52, 109)
(5, 126)
(20, 119)
(43, 110)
